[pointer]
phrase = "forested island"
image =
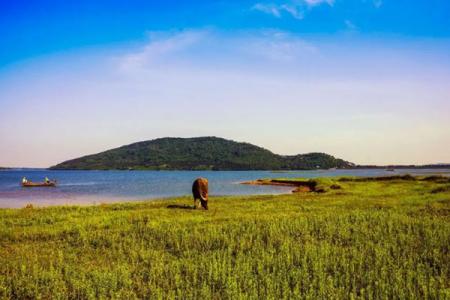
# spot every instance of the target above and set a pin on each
(199, 153)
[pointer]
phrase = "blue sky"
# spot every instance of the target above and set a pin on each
(30, 28)
(365, 80)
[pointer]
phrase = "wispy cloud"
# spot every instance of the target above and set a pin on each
(270, 9)
(276, 10)
(296, 9)
(162, 44)
(280, 46)
(263, 45)
(317, 2)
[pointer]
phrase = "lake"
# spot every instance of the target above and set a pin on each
(95, 187)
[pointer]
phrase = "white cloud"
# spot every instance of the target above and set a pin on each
(280, 47)
(271, 9)
(296, 9)
(197, 46)
(317, 2)
(162, 44)
(277, 10)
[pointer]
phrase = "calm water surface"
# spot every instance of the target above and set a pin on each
(94, 187)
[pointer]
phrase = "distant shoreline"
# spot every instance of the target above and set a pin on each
(443, 166)
(394, 167)
(432, 166)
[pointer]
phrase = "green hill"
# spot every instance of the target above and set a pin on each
(201, 153)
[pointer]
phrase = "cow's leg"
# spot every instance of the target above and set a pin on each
(204, 204)
(196, 203)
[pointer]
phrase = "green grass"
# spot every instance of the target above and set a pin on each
(368, 240)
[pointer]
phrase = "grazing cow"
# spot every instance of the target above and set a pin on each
(200, 192)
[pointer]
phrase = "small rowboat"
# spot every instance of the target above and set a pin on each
(36, 184)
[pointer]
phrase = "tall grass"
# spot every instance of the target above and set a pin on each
(368, 240)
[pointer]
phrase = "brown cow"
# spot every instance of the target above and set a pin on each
(200, 192)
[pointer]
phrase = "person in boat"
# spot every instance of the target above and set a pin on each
(24, 180)
(46, 180)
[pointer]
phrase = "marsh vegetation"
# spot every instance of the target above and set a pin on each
(368, 240)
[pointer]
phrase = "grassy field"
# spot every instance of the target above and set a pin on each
(366, 239)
